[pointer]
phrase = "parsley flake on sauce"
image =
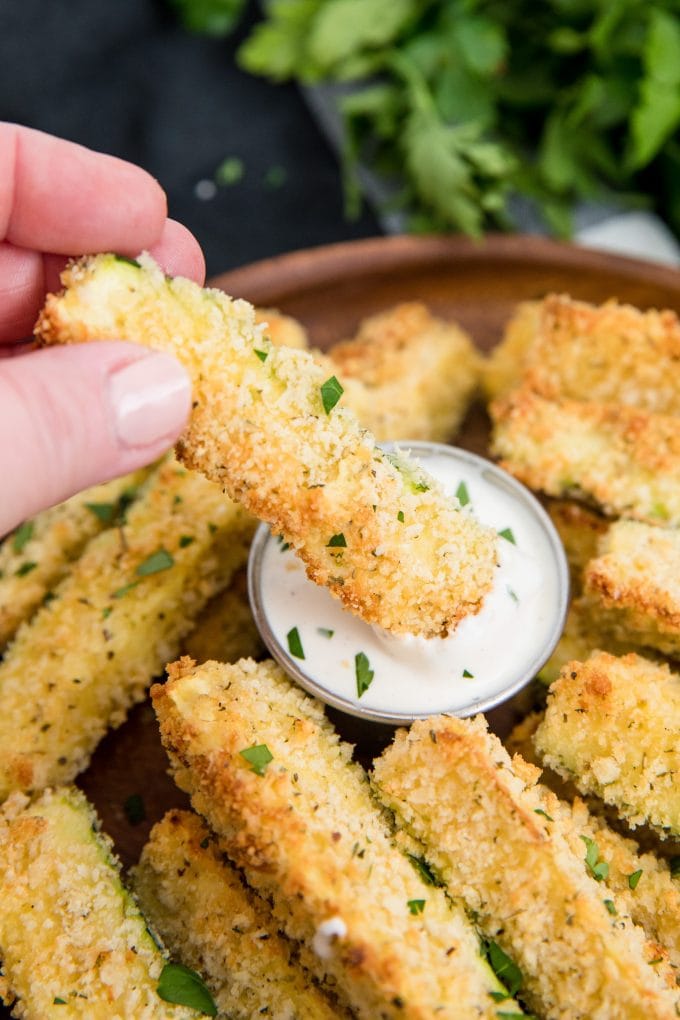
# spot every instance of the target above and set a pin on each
(363, 673)
(468, 674)
(507, 534)
(184, 987)
(325, 632)
(258, 757)
(331, 391)
(295, 644)
(462, 494)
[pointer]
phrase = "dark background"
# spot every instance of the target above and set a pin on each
(122, 76)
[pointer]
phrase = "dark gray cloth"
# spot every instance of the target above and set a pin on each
(122, 76)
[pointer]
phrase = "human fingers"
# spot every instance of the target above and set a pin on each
(26, 276)
(74, 416)
(60, 197)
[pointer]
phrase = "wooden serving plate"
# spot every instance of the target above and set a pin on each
(330, 289)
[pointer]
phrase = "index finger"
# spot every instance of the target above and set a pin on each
(58, 197)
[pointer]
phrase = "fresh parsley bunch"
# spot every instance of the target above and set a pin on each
(463, 102)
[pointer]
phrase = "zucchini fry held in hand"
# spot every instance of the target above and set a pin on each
(264, 766)
(612, 725)
(35, 557)
(90, 653)
(488, 832)
(73, 942)
(266, 426)
(209, 919)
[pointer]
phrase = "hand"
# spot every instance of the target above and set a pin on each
(74, 416)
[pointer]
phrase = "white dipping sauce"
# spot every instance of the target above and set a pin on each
(487, 653)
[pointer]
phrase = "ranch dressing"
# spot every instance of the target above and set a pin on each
(484, 660)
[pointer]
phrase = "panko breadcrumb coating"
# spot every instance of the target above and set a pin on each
(585, 632)
(579, 529)
(502, 370)
(72, 940)
(212, 922)
(417, 374)
(634, 584)
(282, 330)
(35, 557)
(625, 460)
(225, 630)
(611, 725)
(490, 837)
(88, 655)
(264, 425)
(303, 826)
(611, 353)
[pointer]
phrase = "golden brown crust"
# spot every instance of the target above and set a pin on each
(308, 835)
(283, 330)
(611, 725)
(490, 833)
(259, 428)
(625, 460)
(502, 371)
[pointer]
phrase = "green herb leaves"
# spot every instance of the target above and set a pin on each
(597, 868)
(21, 536)
(462, 494)
(294, 643)
(634, 878)
(184, 987)
(337, 542)
(416, 906)
(363, 673)
(508, 535)
(505, 969)
(154, 564)
(331, 391)
(258, 757)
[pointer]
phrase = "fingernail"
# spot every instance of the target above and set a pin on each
(150, 400)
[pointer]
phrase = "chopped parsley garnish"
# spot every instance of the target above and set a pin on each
(184, 987)
(128, 261)
(425, 872)
(337, 541)
(134, 809)
(325, 632)
(25, 568)
(597, 868)
(258, 757)
(540, 811)
(155, 563)
(507, 534)
(416, 906)
(295, 644)
(513, 594)
(468, 674)
(674, 865)
(462, 494)
(634, 879)
(185, 540)
(283, 545)
(505, 969)
(400, 516)
(104, 512)
(331, 391)
(611, 907)
(106, 612)
(58, 1001)
(122, 592)
(513, 1016)
(363, 672)
(22, 535)
(262, 355)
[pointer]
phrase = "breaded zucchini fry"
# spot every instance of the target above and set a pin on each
(612, 725)
(580, 529)
(37, 555)
(215, 924)
(626, 461)
(634, 584)
(265, 425)
(282, 330)
(502, 371)
(485, 828)
(88, 655)
(225, 630)
(417, 374)
(584, 633)
(610, 353)
(264, 766)
(72, 940)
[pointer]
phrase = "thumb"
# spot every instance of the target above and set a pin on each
(74, 416)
